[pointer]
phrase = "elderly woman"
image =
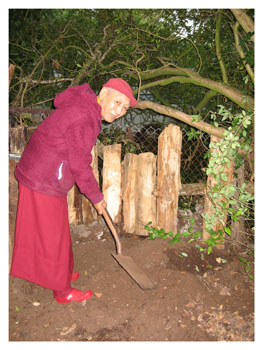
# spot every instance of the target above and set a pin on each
(57, 156)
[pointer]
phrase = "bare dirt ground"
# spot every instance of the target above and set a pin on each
(196, 300)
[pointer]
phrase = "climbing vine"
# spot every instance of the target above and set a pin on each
(229, 199)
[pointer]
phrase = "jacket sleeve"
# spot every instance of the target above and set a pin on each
(81, 138)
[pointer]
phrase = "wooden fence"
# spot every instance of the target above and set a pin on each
(139, 189)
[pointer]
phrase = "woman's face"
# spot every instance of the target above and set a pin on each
(113, 104)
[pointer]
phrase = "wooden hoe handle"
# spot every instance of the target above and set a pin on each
(113, 229)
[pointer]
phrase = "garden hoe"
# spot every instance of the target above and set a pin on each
(126, 262)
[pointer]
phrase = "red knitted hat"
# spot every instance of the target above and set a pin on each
(123, 87)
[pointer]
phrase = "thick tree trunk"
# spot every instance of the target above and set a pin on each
(238, 228)
(209, 205)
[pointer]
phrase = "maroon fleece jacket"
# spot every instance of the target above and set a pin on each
(59, 152)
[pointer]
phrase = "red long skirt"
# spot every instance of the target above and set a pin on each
(42, 249)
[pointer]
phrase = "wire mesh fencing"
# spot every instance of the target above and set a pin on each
(144, 138)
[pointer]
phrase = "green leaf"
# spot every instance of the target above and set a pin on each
(247, 268)
(184, 254)
(209, 250)
(228, 231)
(244, 260)
(197, 234)
(192, 221)
(186, 234)
(230, 190)
(224, 177)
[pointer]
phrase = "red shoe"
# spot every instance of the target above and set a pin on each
(75, 276)
(74, 295)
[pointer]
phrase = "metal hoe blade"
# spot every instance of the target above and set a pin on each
(134, 271)
(126, 262)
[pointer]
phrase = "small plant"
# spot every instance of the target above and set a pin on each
(174, 238)
(214, 239)
(247, 265)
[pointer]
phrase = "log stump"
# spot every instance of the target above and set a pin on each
(145, 188)
(129, 167)
(112, 180)
(168, 181)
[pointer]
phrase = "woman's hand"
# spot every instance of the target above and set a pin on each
(100, 206)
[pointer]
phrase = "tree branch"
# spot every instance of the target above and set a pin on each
(241, 53)
(218, 49)
(41, 60)
(43, 82)
(11, 72)
(245, 21)
(186, 118)
(175, 38)
(245, 102)
(210, 94)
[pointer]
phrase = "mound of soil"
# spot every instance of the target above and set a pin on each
(197, 299)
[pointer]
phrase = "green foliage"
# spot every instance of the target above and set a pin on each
(214, 239)
(55, 48)
(116, 135)
(193, 134)
(247, 265)
(229, 199)
(155, 233)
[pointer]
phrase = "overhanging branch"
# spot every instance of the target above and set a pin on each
(188, 76)
(186, 118)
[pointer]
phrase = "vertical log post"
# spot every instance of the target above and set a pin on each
(129, 166)
(168, 181)
(12, 204)
(112, 180)
(75, 206)
(80, 209)
(88, 211)
(19, 137)
(208, 203)
(145, 188)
